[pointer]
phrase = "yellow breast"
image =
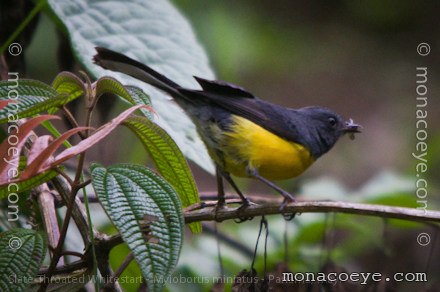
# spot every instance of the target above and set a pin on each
(249, 145)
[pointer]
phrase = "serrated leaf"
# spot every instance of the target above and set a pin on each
(148, 214)
(21, 253)
(168, 160)
(130, 94)
(153, 32)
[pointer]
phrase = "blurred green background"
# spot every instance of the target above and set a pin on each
(356, 57)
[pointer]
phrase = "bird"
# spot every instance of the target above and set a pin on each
(245, 136)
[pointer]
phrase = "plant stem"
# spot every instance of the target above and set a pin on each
(70, 206)
(22, 25)
(46, 203)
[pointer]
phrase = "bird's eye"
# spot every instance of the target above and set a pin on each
(332, 121)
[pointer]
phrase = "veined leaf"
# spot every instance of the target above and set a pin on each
(27, 94)
(168, 160)
(21, 253)
(153, 32)
(140, 97)
(32, 96)
(68, 84)
(130, 94)
(148, 214)
(5, 102)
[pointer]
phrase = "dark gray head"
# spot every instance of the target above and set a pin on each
(324, 127)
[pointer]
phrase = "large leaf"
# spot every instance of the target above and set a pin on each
(153, 32)
(21, 253)
(168, 160)
(148, 214)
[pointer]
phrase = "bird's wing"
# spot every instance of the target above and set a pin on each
(279, 120)
(223, 88)
(249, 108)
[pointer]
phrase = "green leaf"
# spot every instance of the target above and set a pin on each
(140, 97)
(21, 253)
(154, 33)
(148, 214)
(28, 184)
(168, 160)
(68, 84)
(5, 102)
(130, 94)
(33, 97)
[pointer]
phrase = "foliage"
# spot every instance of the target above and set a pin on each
(143, 199)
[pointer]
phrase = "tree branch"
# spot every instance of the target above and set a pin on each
(208, 212)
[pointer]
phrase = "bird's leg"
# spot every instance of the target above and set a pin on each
(221, 202)
(220, 189)
(287, 196)
(243, 198)
(245, 201)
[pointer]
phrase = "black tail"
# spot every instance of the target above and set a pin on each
(118, 62)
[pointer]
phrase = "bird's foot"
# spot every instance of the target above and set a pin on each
(241, 217)
(287, 199)
(221, 204)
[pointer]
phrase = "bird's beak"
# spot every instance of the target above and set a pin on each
(351, 128)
